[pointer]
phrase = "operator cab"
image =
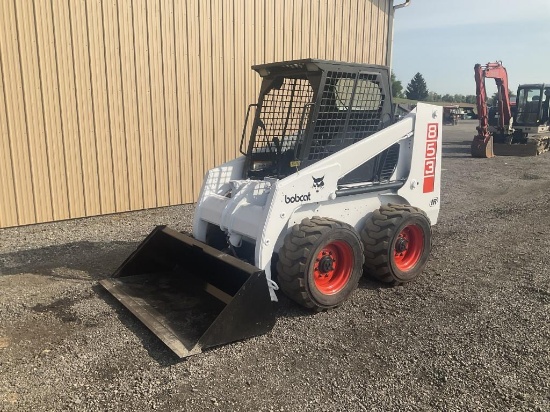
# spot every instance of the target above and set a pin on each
(309, 109)
(532, 105)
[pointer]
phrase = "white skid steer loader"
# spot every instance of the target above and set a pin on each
(328, 188)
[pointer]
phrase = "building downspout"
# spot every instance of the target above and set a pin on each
(398, 6)
(391, 12)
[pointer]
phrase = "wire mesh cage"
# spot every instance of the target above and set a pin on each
(349, 110)
(283, 111)
(310, 109)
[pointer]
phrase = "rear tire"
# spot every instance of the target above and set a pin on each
(397, 241)
(320, 263)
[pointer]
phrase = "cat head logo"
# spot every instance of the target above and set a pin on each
(318, 183)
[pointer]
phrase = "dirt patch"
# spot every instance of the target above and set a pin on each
(4, 342)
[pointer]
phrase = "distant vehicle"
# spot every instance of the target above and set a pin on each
(451, 114)
(522, 129)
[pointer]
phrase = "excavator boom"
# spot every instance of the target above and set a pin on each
(482, 145)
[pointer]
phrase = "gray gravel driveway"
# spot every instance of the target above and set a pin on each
(471, 334)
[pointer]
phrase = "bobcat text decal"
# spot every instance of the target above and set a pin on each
(429, 160)
(297, 198)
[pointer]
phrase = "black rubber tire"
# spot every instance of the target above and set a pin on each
(381, 235)
(216, 237)
(298, 258)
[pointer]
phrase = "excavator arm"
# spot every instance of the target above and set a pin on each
(482, 145)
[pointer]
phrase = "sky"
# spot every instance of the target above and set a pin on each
(444, 39)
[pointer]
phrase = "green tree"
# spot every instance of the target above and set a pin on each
(448, 98)
(434, 97)
(417, 89)
(459, 98)
(396, 86)
(471, 99)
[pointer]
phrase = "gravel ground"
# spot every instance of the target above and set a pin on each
(471, 334)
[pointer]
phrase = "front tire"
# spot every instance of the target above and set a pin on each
(320, 263)
(397, 241)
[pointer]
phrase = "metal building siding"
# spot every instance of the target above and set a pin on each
(110, 106)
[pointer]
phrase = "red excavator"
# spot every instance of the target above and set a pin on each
(527, 133)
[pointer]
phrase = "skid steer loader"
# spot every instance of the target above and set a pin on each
(327, 187)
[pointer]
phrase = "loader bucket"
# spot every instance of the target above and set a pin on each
(481, 148)
(191, 295)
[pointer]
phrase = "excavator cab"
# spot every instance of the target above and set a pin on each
(532, 120)
(546, 106)
(532, 104)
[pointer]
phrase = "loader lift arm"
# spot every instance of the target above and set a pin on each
(482, 144)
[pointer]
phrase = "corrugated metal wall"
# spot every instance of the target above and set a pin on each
(110, 106)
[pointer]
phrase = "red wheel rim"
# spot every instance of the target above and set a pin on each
(408, 247)
(332, 267)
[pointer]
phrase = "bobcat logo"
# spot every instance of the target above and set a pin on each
(318, 183)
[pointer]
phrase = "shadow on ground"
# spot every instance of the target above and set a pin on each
(457, 148)
(98, 259)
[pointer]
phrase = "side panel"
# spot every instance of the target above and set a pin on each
(423, 188)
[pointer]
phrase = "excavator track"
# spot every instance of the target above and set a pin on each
(536, 145)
